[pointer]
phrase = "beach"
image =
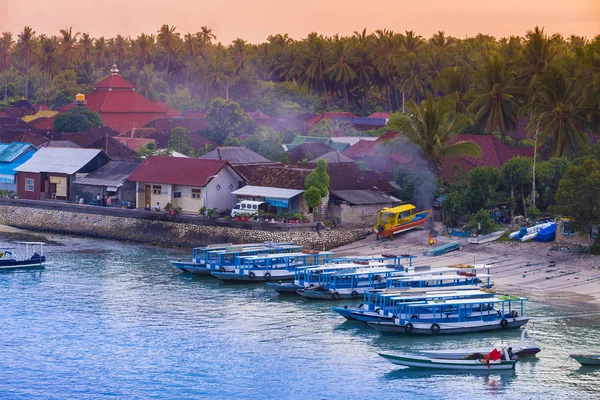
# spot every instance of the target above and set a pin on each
(531, 268)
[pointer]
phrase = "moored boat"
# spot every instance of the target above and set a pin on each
(434, 363)
(587, 359)
(490, 237)
(24, 255)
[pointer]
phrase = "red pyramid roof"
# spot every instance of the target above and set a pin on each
(114, 82)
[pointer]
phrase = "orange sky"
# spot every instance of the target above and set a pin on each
(254, 20)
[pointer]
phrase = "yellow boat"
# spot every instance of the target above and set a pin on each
(399, 219)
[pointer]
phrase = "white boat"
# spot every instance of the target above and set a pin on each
(527, 232)
(490, 237)
(521, 349)
(436, 363)
(24, 255)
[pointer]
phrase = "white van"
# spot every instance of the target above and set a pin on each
(246, 207)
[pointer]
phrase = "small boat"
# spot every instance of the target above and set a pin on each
(587, 359)
(443, 249)
(436, 363)
(547, 234)
(25, 255)
(391, 221)
(490, 237)
(521, 349)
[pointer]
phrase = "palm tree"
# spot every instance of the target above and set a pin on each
(363, 59)
(557, 111)
(315, 64)
(239, 54)
(216, 71)
(146, 81)
(431, 127)
(145, 45)
(48, 59)
(388, 55)
(26, 51)
(86, 44)
(495, 103)
(441, 42)
(340, 58)
(588, 79)
(120, 47)
(413, 77)
(102, 52)
(207, 34)
(538, 52)
(168, 39)
(67, 43)
(6, 46)
(455, 83)
(411, 42)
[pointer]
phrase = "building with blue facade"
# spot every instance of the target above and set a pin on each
(13, 155)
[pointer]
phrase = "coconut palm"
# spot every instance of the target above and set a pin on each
(238, 51)
(48, 58)
(455, 83)
(86, 44)
(388, 56)
(6, 47)
(539, 51)
(340, 59)
(145, 49)
(68, 41)
(120, 47)
(557, 111)
(413, 77)
(363, 60)
(412, 42)
(207, 34)
(315, 64)
(431, 127)
(168, 39)
(101, 52)
(216, 71)
(26, 51)
(495, 103)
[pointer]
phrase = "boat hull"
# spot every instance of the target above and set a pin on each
(186, 266)
(461, 365)
(284, 288)
(407, 226)
(486, 238)
(390, 328)
(258, 276)
(587, 359)
(31, 263)
(475, 354)
(327, 295)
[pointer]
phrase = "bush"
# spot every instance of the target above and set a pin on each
(483, 222)
(595, 248)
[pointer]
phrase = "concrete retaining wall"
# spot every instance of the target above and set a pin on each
(163, 232)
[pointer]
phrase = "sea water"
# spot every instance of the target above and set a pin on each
(107, 320)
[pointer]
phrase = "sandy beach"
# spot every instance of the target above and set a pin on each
(531, 269)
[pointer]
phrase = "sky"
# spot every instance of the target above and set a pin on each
(255, 20)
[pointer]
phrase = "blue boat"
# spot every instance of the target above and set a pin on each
(457, 316)
(276, 266)
(443, 249)
(547, 234)
(25, 255)
(222, 256)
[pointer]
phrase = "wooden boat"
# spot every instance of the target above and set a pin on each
(587, 359)
(490, 237)
(435, 363)
(521, 349)
(24, 255)
(391, 221)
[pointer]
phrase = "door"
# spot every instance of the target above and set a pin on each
(148, 195)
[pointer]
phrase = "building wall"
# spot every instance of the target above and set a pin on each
(8, 186)
(579, 238)
(360, 215)
(163, 198)
(37, 185)
(89, 192)
(227, 181)
(186, 202)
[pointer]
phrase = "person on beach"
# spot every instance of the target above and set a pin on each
(98, 200)
(157, 208)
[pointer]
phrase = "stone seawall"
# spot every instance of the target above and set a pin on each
(162, 233)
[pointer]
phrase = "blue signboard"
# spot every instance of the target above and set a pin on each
(278, 202)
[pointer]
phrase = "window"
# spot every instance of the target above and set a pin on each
(29, 185)
(176, 195)
(195, 193)
(243, 206)
(595, 231)
(156, 189)
(567, 229)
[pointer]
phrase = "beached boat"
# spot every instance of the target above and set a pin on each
(434, 363)
(521, 349)
(490, 237)
(391, 221)
(456, 316)
(24, 255)
(587, 360)
(525, 234)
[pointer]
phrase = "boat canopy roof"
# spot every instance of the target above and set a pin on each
(33, 243)
(470, 289)
(334, 267)
(253, 249)
(285, 255)
(368, 271)
(457, 302)
(437, 277)
(465, 293)
(398, 209)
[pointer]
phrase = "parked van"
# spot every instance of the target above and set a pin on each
(246, 207)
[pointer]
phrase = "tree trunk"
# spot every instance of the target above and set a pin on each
(346, 104)
(5, 87)
(325, 91)
(27, 83)
(389, 97)
(397, 99)
(524, 206)
(512, 201)
(226, 92)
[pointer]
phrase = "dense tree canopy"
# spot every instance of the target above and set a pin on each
(77, 119)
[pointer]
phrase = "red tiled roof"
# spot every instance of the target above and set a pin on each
(114, 81)
(165, 125)
(169, 110)
(362, 148)
(44, 124)
(308, 151)
(123, 122)
(387, 136)
(328, 115)
(79, 138)
(379, 115)
(114, 148)
(29, 137)
(177, 171)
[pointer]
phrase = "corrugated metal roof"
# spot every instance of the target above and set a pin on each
(264, 191)
(114, 173)
(358, 197)
(235, 155)
(58, 160)
(10, 152)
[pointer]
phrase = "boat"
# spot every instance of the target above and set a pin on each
(490, 237)
(587, 360)
(521, 349)
(443, 249)
(436, 363)
(547, 234)
(456, 316)
(525, 234)
(24, 255)
(391, 221)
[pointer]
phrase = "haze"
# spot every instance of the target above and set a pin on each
(254, 20)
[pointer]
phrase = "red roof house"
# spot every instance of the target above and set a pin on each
(327, 115)
(120, 106)
(186, 182)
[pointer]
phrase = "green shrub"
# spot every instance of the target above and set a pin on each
(483, 222)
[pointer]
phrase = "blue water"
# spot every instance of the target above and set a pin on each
(113, 320)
